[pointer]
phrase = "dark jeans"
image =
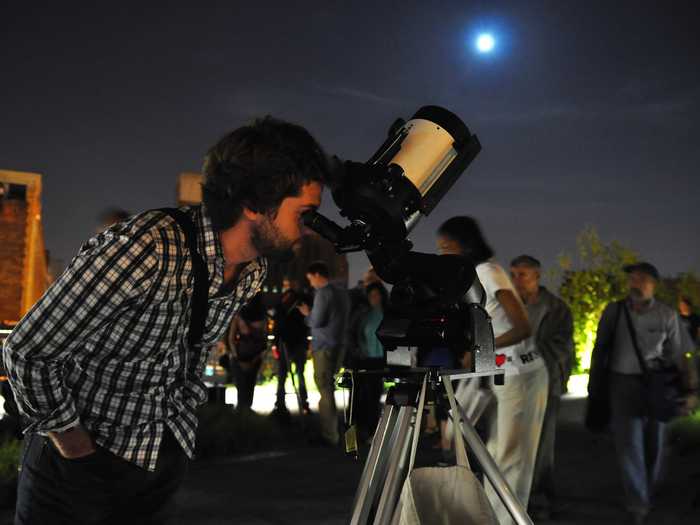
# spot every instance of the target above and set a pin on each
(639, 441)
(298, 357)
(326, 361)
(543, 484)
(368, 392)
(245, 375)
(99, 488)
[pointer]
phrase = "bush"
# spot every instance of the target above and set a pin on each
(9, 460)
(685, 284)
(685, 433)
(590, 281)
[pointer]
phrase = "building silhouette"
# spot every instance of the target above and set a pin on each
(24, 273)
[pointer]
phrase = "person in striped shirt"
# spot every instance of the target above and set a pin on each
(102, 366)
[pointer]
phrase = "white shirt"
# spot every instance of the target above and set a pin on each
(519, 358)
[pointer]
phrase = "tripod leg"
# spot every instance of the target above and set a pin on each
(374, 471)
(396, 472)
(491, 471)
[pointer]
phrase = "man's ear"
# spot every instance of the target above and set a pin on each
(251, 215)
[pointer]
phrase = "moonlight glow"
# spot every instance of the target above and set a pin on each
(485, 43)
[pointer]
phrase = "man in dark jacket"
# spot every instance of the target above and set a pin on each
(552, 336)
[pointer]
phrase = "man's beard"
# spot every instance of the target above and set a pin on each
(269, 242)
(637, 296)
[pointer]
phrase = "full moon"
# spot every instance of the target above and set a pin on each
(485, 43)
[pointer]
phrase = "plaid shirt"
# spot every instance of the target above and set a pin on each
(106, 346)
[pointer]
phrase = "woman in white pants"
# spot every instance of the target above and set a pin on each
(515, 420)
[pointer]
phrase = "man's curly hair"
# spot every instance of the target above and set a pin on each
(257, 166)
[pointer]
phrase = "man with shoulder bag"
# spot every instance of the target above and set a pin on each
(639, 381)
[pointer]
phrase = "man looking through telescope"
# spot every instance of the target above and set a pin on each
(104, 366)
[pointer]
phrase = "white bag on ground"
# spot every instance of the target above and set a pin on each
(442, 495)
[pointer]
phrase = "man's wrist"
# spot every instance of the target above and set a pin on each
(73, 442)
(75, 432)
(67, 428)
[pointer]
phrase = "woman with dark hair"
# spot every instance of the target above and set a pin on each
(370, 356)
(515, 420)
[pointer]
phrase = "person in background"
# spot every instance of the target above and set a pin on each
(247, 341)
(358, 307)
(110, 217)
(292, 340)
(371, 277)
(370, 356)
(689, 319)
(286, 284)
(639, 439)
(515, 420)
(358, 294)
(328, 320)
(552, 336)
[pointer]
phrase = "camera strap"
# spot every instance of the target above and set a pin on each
(200, 273)
(635, 343)
(350, 426)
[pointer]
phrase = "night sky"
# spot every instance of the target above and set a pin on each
(588, 113)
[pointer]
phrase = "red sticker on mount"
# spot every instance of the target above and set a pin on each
(500, 359)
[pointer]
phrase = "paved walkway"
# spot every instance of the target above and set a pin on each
(314, 486)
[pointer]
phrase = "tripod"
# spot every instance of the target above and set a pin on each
(386, 467)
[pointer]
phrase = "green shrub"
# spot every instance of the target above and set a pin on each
(9, 460)
(685, 433)
(684, 284)
(588, 282)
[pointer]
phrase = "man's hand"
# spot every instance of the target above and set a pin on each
(304, 309)
(73, 443)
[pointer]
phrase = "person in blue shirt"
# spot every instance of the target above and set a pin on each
(369, 344)
(328, 320)
(369, 356)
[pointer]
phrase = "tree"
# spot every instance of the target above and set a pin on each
(683, 285)
(591, 280)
